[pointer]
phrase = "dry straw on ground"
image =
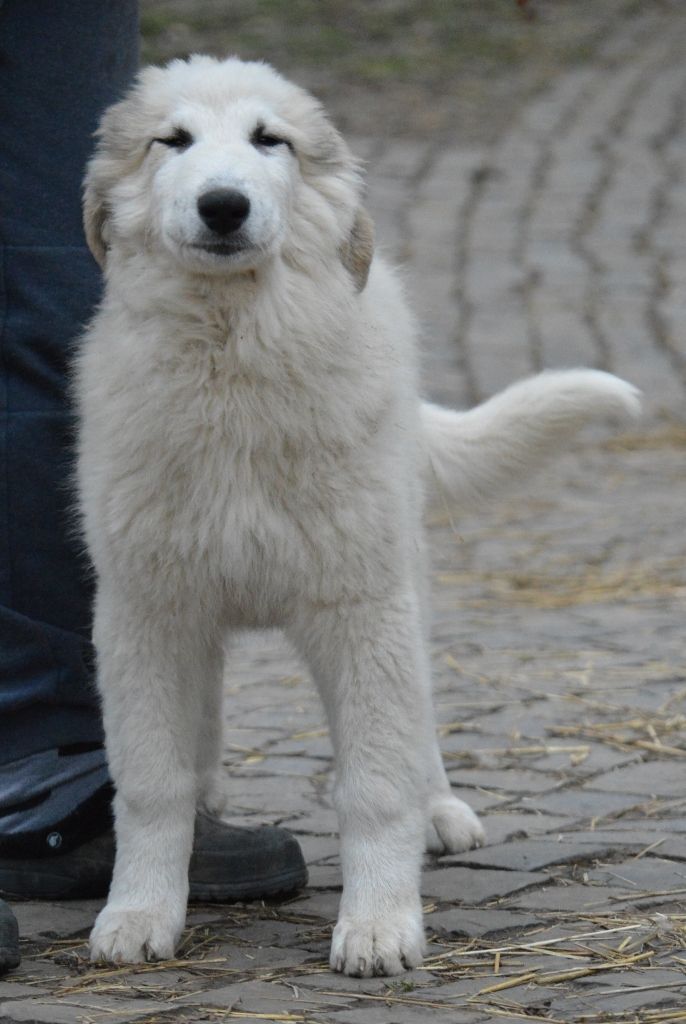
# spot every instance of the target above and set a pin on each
(603, 946)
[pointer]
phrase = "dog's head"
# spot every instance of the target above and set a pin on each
(224, 165)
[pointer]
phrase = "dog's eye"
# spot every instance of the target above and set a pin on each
(179, 139)
(265, 140)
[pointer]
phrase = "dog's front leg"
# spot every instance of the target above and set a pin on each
(370, 665)
(150, 668)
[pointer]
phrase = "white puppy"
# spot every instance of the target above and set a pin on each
(253, 452)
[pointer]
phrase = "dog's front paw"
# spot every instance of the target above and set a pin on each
(452, 826)
(389, 945)
(131, 935)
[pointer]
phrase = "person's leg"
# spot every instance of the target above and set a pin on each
(60, 64)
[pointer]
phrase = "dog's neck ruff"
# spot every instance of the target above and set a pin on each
(249, 312)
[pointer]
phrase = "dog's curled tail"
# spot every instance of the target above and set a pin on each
(474, 456)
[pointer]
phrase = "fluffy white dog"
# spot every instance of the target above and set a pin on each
(253, 452)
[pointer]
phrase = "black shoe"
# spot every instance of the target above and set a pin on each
(228, 864)
(9, 939)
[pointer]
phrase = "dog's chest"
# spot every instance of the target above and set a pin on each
(264, 478)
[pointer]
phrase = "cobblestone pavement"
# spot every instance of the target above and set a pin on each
(558, 637)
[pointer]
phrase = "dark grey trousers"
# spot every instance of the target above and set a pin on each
(61, 63)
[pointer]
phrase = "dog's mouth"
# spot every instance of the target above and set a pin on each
(222, 249)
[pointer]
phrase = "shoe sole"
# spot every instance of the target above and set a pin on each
(22, 884)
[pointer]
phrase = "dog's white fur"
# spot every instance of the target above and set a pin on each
(253, 452)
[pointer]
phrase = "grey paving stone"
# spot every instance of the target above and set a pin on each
(322, 904)
(649, 824)
(654, 778)
(10, 989)
(479, 800)
(242, 956)
(635, 841)
(324, 876)
(316, 746)
(470, 886)
(647, 875)
(535, 854)
(262, 997)
(513, 781)
(566, 898)
(478, 923)
(319, 848)
(459, 992)
(270, 933)
(406, 1014)
(271, 794)
(565, 763)
(64, 919)
(319, 822)
(70, 1011)
(637, 990)
(504, 825)
(296, 765)
(583, 803)
(672, 847)
(37, 969)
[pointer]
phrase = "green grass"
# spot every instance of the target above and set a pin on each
(416, 39)
(427, 51)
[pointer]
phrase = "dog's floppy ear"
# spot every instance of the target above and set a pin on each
(122, 142)
(95, 218)
(103, 170)
(358, 249)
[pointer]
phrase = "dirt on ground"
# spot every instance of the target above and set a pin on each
(418, 68)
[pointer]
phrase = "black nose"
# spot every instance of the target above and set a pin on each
(223, 210)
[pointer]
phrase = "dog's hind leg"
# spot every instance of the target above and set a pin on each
(151, 661)
(451, 824)
(213, 792)
(370, 664)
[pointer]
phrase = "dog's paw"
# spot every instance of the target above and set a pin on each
(452, 826)
(386, 946)
(131, 935)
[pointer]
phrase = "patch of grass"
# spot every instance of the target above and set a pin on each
(472, 31)
(152, 24)
(442, 55)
